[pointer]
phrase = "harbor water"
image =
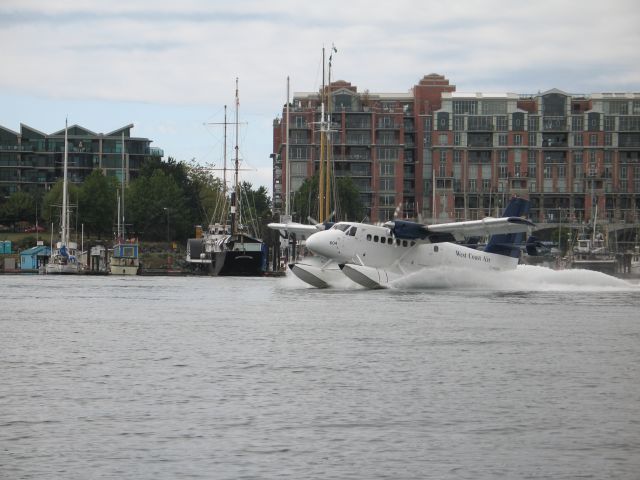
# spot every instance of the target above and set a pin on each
(526, 375)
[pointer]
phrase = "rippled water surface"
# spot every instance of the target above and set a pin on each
(533, 374)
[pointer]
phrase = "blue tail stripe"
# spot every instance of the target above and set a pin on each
(509, 243)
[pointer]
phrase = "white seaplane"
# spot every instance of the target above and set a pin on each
(374, 256)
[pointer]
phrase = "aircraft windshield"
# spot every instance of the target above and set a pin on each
(341, 226)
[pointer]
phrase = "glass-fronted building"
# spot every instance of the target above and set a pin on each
(32, 160)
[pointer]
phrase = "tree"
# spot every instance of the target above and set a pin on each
(256, 207)
(98, 203)
(52, 202)
(349, 206)
(208, 193)
(156, 204)
(20, 206)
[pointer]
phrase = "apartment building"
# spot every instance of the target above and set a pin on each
(441, 155)
(32, 160)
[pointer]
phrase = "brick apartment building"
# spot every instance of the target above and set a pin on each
(442, 155)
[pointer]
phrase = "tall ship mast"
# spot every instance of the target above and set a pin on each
(227, 248)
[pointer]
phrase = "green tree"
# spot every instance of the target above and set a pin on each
(52, 203)
(256, 207)
(349, 202)
(208, 193)
(155, 205)
(98, 203)
(346, 201)
(19, 207)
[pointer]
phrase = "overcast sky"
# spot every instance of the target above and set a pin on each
(169, 67)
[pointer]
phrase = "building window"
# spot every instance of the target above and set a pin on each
(387, 184)
(532, 139)
(533, 123)
(577, 171)
(387, 200)
(577, 123)
(456, 139)
(494, 107)
(443, 139)
(517, 139)
(547, 171)
(562, 171)
(593, 140)
(502, 123)
(502, 139)
(387, 153)
(577, 139)
(609, 124)
(387, 169)
(608, 139)
(472, 185)
(461, 107)
(387, 138)
(616, 107)
(458, 123)
(457, 156)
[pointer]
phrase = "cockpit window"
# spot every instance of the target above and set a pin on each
(341, 226)
(352, 231)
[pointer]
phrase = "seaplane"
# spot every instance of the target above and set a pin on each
(375, 256)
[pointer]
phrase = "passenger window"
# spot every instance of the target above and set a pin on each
(375, 238)
(435, 248)
(412, 243)
(383, 239)
(404, 243)
(369, 237)
(390, 241)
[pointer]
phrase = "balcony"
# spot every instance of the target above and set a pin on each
(554, 124)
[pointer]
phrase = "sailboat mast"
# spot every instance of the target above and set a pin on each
(235, 203)
(65, 220)
(327, 171)
(287, 208)
(121, 234)
(321, 192)
(224, 156)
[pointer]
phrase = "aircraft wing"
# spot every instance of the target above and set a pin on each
(300, 230)
(486, 226)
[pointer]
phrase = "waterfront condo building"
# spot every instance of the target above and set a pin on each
(32, 160)
(441, 155)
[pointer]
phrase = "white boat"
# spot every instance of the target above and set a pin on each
(124, 258)
(65, 255)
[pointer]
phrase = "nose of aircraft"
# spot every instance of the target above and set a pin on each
(318, 243)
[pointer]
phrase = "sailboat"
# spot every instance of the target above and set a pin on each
(64, 256)
(591, 251)
(226, 248)
(124, 258)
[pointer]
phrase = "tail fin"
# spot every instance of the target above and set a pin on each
(509, 243)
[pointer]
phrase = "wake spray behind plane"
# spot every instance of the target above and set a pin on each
(374, 256)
